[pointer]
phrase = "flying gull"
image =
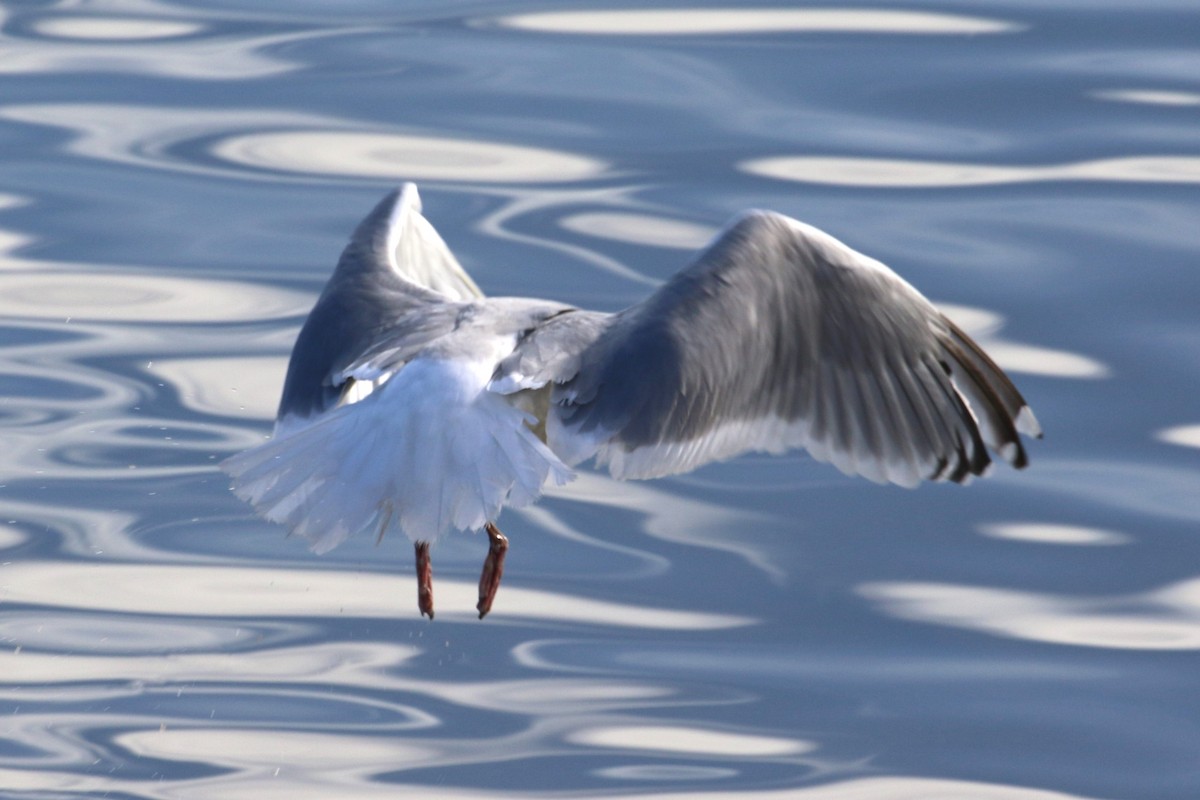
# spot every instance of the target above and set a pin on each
(414, 403)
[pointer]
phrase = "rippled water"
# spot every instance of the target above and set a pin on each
(176, 181)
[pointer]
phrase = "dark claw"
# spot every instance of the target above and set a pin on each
(424, 580)
(493, 569)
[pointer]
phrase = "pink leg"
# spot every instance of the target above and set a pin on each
(424, 580)
(493, 569)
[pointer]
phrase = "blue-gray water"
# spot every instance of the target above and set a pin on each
(176, 181)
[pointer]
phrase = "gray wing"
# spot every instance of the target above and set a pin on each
(780, 336)
(396, 279)
(550, 353)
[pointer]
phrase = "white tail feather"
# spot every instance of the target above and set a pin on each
(428, 451)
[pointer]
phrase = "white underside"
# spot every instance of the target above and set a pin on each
(429, 450)
(769, 434)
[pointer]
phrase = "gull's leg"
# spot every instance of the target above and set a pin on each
(493, 569)
(424, 580)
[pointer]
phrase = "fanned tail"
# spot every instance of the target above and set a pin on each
(418, 455)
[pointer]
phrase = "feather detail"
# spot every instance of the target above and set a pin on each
(428, 451)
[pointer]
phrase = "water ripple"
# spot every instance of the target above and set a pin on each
(253, 768)
(1053, 533)
(672, 518)
(167, 46)
(226, 386)
(283, 144)
(34, 630)
(907, 174)
(984, 327)
(1152, 97)
(1162, 619)
(1167, 492)
(123, 29)
(691, 740)
(641, 229)
(328, 664)
(694, 637)
(1182, 435)
(717, 21)
(255, 592)
(403, 157)
(74, 295)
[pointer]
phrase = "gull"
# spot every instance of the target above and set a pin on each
(414, 403)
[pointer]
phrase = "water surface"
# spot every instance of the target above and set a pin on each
(176, 181)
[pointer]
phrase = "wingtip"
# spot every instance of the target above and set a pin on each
(404, 200)
(407, 196)
(390, 211)
(1027, 423)
(751, 221)
(380, 229)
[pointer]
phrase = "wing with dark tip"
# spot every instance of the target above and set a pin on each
(780, 336)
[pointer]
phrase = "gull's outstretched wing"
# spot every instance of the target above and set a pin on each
(396, 277)
(780, 336)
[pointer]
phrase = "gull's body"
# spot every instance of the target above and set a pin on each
(412, 402)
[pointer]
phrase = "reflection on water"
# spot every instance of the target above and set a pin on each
(1140, 488)
(82, 421)
(124, 29)
(1053, 533)
(73, 295)
(315, 145)
(403, 157)
(1162, 619)
(689, 740)
(225, 386)
(1184, 435)
(232, 591)
(153, 136)
(693, 22)
(1149, 97)
(897, 173)
(665, 516)
(640, 229)
(1017, 357)
(179, 180)
(131, 45)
